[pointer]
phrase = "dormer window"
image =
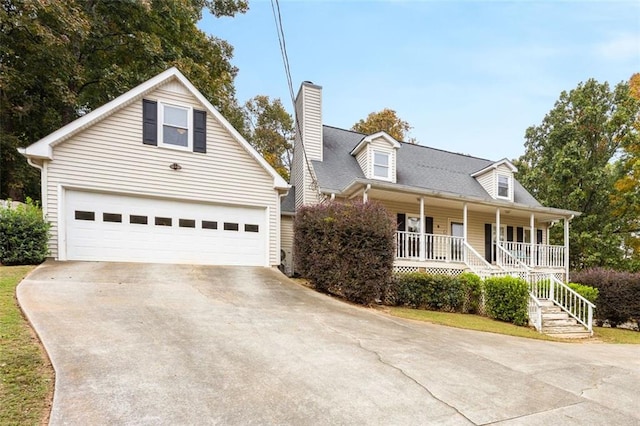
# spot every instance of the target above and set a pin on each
(381, 165)
(503, 186)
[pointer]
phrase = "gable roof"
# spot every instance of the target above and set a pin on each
(43, 149)
(495, 165)
(420, 167)
(367, 139)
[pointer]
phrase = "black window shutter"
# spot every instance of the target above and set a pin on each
(519, 234)
(199, 131)
(149, 122)
(509, 233)
(538, 236)
(428, 228)
(487, 242)
(402, 220)
(428, 225)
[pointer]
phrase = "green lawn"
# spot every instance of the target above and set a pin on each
(478, 323)
(26, 376)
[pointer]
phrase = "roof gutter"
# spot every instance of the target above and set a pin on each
(356, 183)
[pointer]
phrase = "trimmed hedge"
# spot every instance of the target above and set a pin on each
(345, 249)
(439, 292)
(618, 294)
(435, 292)
(506, 299)
(24, 235)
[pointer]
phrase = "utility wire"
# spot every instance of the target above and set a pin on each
(277, 16)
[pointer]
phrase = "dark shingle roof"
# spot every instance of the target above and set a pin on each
(288, 203)
(417, 166)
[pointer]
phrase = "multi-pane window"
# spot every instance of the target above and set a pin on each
(175, 125)
(381, 165)
(503, 186)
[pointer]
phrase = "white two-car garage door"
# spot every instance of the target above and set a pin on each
(132, 229)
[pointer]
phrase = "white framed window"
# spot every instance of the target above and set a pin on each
(504, 186)
(381, 165)
(175, 124)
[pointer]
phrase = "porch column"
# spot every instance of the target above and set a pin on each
(422, 230)
(566, 248)
(464, 221)
(532, 239)
(498, 236)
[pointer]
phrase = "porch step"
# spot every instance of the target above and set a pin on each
(558, 323)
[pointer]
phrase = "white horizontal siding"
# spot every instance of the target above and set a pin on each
(110, 156)
(381, 144)
(488, 182)
(363, 158)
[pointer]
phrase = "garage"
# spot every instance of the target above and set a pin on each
(117, 227)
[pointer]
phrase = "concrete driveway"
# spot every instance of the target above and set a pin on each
(176, 344)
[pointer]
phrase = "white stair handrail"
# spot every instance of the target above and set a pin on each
(476, 262)
(576, 305)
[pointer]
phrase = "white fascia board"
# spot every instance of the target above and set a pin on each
(278, 181)
(43, 147)
(367, 139)
(495, 165)
(355, 184)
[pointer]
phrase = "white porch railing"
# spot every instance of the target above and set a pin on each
(544, 255)
(549, 256)
(510, 263)
(535, 312)
(410, 245)
(475, 262)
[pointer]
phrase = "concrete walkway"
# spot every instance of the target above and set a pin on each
(174, 344)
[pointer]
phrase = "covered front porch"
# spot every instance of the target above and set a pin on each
(456, 234)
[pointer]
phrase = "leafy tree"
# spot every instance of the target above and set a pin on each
(570, 162)
(626, 194)
(61, 59)
(269, 128)
(386, 120)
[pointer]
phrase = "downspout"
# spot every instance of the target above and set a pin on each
(365, 195)
(43, 184)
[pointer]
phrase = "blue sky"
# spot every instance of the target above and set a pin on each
(469, 76)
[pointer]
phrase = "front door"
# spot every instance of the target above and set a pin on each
(457, 230)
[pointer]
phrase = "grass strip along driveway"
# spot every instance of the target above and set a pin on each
(478, 323)
(26, 377)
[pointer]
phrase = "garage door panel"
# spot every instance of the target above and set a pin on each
(116, 237)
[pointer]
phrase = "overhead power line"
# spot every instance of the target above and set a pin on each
(277, 16)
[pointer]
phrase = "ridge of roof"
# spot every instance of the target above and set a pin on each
(413, 144)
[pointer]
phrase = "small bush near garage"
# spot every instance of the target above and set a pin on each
(23, 235)
(506, 299)
(618, 294)
(345, 249)
(434, 292)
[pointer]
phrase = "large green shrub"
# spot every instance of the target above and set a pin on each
(472, 289)
(506, 299)
(345, 249)
(23, 235)
(435, 292)
(618, 294)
